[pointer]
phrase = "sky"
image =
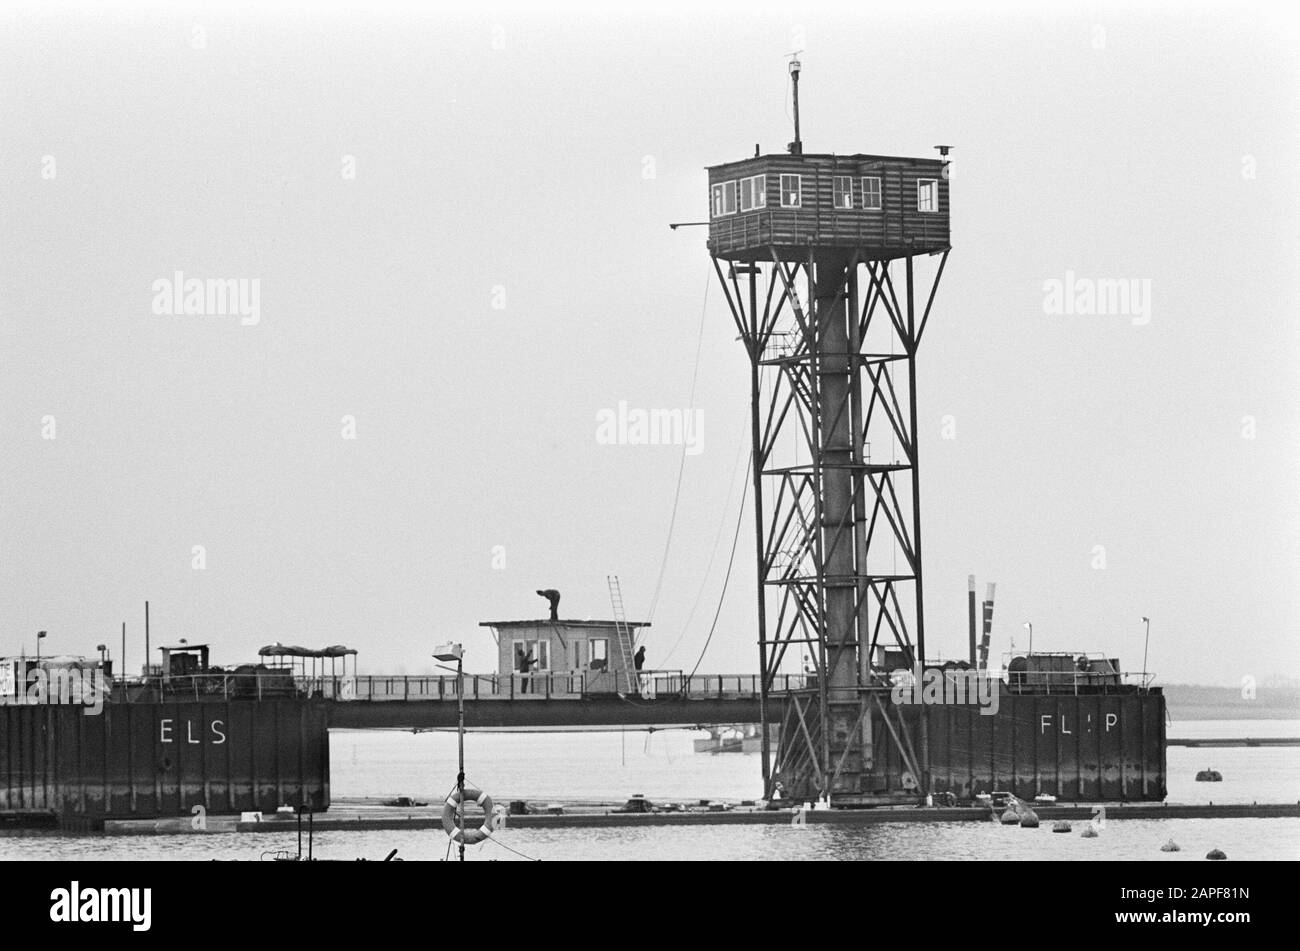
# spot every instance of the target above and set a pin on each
(457, 224)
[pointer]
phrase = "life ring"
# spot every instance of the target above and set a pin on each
(452, 827)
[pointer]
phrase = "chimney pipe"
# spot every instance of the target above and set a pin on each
(988, 627)
(974, 658)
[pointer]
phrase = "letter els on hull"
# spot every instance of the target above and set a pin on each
(216, 728)
(1045, 723)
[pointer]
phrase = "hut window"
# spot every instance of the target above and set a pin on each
(724, 199)
(791, 191)
(541, 651)
(753, 193)
(871, 193)
(927, 194)
(842, 191)
(599, 650)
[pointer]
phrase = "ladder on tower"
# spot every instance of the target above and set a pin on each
(623, 634)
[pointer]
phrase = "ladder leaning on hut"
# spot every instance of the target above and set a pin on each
(623, 635)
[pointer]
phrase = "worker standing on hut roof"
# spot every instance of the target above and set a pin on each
(553, 596)
(639, 659)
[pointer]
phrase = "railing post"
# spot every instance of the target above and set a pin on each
(476, 686)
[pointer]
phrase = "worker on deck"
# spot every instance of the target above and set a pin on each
(639, 659)
(524, 661)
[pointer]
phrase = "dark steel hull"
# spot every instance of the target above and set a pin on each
(1100, 747)
(143, 760)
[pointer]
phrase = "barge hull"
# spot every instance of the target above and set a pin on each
(1100, 747)
(144, 760)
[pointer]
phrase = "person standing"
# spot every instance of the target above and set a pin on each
(525, 663)
(639, 659)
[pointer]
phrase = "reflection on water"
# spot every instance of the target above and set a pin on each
(1275, 839)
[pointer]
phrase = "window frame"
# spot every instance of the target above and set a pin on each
(921, 183)
(539, 648)
(846, 193)
(603, 652)
(757, 193)
(799, 179)
(718, 194)
(731, 187)
(878, 192)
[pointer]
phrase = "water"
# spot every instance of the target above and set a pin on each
(1275, 839)
(611, 766)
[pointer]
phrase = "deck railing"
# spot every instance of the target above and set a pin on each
(381, 688)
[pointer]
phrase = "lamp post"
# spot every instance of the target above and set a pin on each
(450, 652)
(40, 636)
(1030, 626)
(1145, 642)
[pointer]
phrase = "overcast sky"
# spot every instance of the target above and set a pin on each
(458, 225)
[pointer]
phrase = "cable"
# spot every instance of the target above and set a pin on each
(708, 568)
(681, 466)
(508, 849)
(727, 579)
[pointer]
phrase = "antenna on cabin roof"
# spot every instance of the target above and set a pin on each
(795, 147)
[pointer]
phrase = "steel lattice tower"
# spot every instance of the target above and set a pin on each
(830, 266)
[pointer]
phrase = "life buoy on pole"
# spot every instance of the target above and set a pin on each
(452, 827)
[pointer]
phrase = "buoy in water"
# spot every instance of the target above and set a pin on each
(1010, 817)
(1170, 846)
(1214, 855)
(1089, 831)
(1060, 825)
(1028, 819)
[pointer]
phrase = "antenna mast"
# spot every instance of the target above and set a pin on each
(795, 147)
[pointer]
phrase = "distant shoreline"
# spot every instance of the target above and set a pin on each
(1195, 702)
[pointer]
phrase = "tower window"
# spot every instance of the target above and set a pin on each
(842, 192)
(791, 191)
(753, 193)
(871, 193)
(724, 199)
(927, 194)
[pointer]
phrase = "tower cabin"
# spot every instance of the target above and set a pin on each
(795, 206)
